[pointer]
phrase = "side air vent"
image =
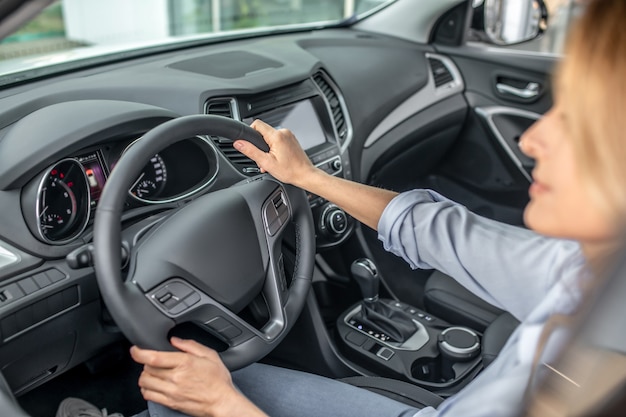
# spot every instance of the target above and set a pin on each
(226, 108)
(441, 73)
(221, 107)
(335, 105)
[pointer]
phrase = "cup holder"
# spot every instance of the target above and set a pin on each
(437, 370)
(457, 347)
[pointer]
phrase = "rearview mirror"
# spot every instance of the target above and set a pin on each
(507, 22)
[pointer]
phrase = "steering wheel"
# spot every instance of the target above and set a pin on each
(209, 259)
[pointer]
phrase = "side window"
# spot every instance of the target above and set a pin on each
(515, 19)
(561, 13)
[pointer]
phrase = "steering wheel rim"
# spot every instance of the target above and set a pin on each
(136, 303)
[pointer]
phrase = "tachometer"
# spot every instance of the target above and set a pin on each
(63, 202)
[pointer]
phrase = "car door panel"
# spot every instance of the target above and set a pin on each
(505, 92)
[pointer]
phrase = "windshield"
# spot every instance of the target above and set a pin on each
(74, 30)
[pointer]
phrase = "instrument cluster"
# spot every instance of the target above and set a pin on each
(66, 194)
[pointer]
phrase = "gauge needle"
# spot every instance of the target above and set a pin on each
(138, 179)
(43, 198)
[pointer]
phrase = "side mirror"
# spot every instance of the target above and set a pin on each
(507, 22)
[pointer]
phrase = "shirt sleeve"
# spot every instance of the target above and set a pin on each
(510, 267)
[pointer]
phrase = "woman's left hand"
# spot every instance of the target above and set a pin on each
(193, 381)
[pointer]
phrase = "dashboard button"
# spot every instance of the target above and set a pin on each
(28, 285)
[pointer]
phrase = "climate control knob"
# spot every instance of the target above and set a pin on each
(333, 221)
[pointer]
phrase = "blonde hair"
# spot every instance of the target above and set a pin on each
(591, 90)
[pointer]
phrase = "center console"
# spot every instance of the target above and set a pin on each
(314, 111)
(437, 356)
(397, 340)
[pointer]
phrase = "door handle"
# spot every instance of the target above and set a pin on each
(530, 91)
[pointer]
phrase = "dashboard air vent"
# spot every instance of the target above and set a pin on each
(225, 108)
(335, 105)
(220, 108)
(441, 73)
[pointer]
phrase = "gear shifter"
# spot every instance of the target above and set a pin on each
(375, 314)
(366, 275)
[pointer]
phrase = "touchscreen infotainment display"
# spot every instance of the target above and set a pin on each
(300, 118)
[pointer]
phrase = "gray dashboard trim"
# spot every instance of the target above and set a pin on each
(424, 98)
(7, 256)
(69, 126)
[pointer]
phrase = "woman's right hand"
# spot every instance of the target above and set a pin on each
(286, 160)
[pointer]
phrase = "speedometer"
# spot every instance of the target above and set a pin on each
(62, 202)
(151, 181)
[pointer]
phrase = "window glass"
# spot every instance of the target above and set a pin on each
(70, 24)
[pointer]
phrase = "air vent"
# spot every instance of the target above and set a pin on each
(220, 107)
(441, 73)
(335, 105)
(225, 107)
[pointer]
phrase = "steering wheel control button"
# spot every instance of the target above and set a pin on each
(192, 299)
(276, 213)
(223, 327)
(165, 297)
(175, 297)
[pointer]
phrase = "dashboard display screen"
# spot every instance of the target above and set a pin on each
(96, 176)
(300, 118)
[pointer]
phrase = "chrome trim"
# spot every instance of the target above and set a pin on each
(194, 190)
(7, 256)
(487, 113)
(336, 157)
(344, 108)
(44, 177)
(425, 97)
(531, 90)
(415, 342)
(456, 349)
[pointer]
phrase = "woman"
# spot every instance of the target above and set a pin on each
(578, 195)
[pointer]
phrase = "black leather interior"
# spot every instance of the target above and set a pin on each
(496, 335)
(449, 300)
(398, 390)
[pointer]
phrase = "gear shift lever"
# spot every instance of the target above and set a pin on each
(366, 275)
(378, 316)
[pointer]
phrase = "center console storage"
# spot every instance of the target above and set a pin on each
(437, 356)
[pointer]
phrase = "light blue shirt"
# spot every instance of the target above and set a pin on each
(529, 275)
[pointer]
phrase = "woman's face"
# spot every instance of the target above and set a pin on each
(560, 205)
